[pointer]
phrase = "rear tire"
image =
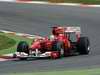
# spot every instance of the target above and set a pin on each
(23, 47)
(83, 45)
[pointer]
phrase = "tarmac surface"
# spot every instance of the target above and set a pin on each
(37, 19)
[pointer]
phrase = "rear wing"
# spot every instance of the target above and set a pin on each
(73, 29)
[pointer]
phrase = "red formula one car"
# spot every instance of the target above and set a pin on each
(64, 41)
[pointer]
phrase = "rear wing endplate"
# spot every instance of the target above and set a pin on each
(73, 29)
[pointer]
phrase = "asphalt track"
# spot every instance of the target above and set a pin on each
(37, 19)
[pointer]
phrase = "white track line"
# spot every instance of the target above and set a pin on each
(2, 59)
(21, 34)
(6, 0)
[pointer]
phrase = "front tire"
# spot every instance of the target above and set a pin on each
(23, 47)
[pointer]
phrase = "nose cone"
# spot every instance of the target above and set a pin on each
(36, 45)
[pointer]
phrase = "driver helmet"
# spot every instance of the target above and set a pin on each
(52, 37)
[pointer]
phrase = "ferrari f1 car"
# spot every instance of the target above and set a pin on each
(64, 41)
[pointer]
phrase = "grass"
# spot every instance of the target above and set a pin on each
(84, 1)
(74, 72)
(74, 1)
(8, 42)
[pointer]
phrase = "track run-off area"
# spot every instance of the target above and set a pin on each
(37, 19)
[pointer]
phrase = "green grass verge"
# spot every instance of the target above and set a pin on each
(84, 1)
(74, 1)
(8, 42)
(74, 72)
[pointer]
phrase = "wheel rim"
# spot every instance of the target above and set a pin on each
(88, 48)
